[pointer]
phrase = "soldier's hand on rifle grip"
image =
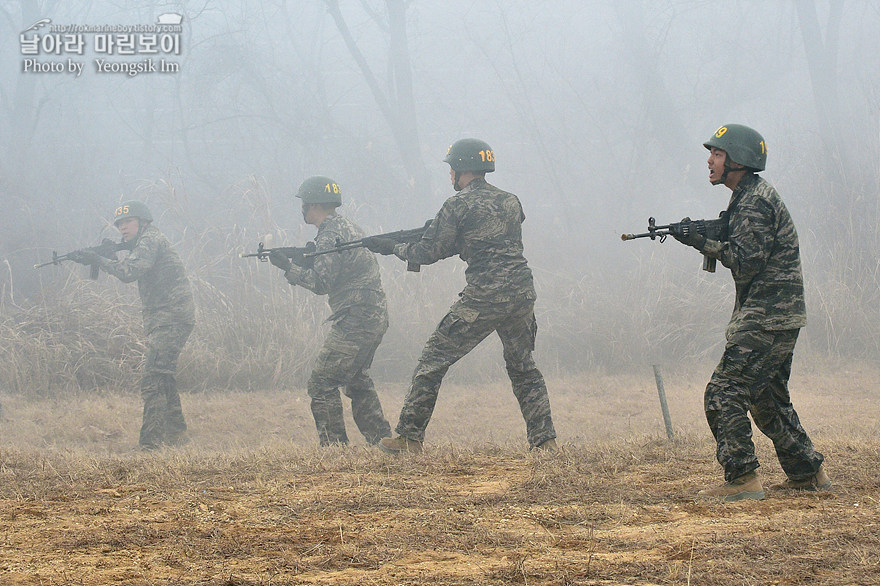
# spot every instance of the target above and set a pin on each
(280, 260)
(296, 257)
(686, 233)
(681, 230)
(379, 245)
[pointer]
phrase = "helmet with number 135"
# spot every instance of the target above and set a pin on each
(132, 209)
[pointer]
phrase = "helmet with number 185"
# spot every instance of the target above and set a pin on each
(471, 154)
(320, 189)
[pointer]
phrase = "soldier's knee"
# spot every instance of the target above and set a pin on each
(429, 374)
(320, 388)
(524, 369)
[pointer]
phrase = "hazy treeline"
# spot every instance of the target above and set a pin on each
(596, 111)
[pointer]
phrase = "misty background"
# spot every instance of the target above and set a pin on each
(596, 110)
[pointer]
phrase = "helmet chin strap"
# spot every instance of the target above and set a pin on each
(455, 185)
(141, 227)
(727, 170)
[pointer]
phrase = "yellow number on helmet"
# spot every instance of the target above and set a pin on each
(720, 132)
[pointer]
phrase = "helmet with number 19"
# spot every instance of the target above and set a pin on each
(743, 146)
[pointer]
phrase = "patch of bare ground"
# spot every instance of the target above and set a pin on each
(79, 506)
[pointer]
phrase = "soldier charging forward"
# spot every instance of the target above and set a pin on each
(168, 315)
(359, 318)
(762, 252)
(483, 225)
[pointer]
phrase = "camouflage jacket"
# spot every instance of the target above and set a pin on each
(163, 286)
(348, 278)
(763, 256)
(483, 225)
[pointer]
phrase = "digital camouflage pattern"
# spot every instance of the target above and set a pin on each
(164, 289)
(353, 285)
(348, 278)
(343, 363)
(752, 377)
(169, 315)
(483, 225)
(763, 255)
(163, 420)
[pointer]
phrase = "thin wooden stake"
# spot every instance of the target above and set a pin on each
(663, 406)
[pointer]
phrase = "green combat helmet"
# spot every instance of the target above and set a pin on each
(470, 154)
(742, 144)
(132, 209)
(320, 189)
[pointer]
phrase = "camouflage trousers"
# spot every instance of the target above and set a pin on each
(163, 420)
(465, 325)
(343, 362)
(752, 377)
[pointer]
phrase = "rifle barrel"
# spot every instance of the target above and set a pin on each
(658, 233)
(45, 264)
(55, 260)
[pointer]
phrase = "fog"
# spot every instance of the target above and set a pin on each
(596, 110)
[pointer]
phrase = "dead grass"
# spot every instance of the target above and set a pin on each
(252, 502)
(255, 332)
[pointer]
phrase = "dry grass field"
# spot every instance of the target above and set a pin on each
(251, 501)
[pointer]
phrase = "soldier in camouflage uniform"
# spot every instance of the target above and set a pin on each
(359, 316)
(168, 313)
(483, 225)
(763, 256)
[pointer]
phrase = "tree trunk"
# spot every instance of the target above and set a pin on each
(822, 61)
(399, 109)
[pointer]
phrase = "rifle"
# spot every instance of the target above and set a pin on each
(401, 236)
(711, 229)
(107, 249)
(294, 253)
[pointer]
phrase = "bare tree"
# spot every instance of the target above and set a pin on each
(22, 108)
(397, 104)
(822, 61)
(661, 114)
